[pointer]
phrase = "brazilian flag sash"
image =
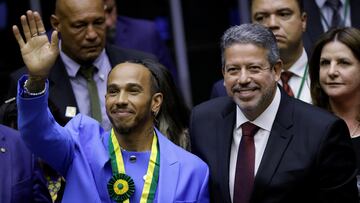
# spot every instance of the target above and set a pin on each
(121, 186)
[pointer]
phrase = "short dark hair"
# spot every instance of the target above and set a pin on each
(173, 117)
(152, 66)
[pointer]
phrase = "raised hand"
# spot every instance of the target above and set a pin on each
(38, 53)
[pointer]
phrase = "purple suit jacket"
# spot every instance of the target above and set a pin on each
(79, 151)
(20, 180)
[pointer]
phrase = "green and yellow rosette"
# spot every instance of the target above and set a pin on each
(121, 187)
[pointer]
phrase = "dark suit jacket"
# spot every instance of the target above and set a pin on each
(314, 27)
(142, 35)
(218, 89)
(19, 177)
(61, 93)
(308, 157)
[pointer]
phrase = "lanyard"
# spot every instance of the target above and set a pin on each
(121, 186)
(302, 81)
(346, 11)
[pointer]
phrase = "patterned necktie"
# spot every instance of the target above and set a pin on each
(88, 73)
(285, 77)
(244, 175)
(335, 6)
(54, 186)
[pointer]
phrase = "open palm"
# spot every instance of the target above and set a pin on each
(38, 53)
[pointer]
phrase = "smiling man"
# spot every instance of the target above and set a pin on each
(82, 30)
(77, 79)
(262, 145)
(287, 20)
(133, 162)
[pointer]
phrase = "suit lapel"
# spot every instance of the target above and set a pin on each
(224, 134)
(60, 86)
(61, 93)
(280, 136)
(169, 170)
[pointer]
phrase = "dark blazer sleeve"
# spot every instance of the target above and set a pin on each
(18, 173)
(336, 166)
(308, 157)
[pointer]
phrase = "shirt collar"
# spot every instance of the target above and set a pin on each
(298, 67)
(266, 119)
(73, 67)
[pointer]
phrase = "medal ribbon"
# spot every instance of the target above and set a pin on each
(152, 174)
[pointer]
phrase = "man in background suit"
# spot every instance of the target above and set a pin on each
(83, 39)
(20, 180)
(287, 20)
(299, 152)
(138, 34)
(82, 29)
(319, 22)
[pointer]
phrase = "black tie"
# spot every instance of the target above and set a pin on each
(88, 73)
(335, 6)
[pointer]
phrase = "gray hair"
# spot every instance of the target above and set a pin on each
(251, 34)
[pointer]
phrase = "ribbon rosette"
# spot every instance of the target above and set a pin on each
(121, 187)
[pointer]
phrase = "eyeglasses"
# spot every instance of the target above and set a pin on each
(250, 70)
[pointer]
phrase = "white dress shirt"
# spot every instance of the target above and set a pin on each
(300, 70)
(265, 122)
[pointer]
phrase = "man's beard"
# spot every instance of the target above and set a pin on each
(124, 129)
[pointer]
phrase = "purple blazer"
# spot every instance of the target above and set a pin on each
(20, 180)
(79, 151)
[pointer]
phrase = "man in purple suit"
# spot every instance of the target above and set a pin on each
(133, 161)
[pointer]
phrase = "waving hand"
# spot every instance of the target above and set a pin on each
(38, 53)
